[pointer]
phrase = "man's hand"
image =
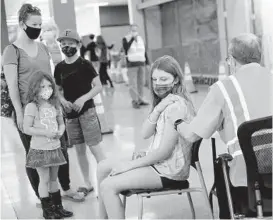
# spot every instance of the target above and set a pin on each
(78, 104)
(68, 106)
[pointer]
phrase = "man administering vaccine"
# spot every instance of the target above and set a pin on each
(245, 95)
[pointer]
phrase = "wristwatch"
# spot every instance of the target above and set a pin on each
(177, 122)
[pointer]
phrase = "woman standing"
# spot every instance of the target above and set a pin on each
(21, 60)
(103, 58)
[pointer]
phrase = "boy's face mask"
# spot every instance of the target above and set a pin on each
(46, 93)
(69, 51)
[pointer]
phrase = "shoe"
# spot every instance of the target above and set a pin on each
(58, 206)
(135, 105)
(48, 210)
(38, 205)
(141, 102)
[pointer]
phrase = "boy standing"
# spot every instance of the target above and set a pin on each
(78, 83)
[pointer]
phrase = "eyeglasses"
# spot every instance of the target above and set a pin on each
(228, 59)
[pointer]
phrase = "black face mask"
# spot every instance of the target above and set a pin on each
(69, 51)
(32, 33)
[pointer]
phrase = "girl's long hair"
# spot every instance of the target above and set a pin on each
(170, 65)
(34, 89)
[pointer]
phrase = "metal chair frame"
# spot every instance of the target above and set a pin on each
(244, 133)
(203, 189)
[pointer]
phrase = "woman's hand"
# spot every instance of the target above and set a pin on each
(19, 120)
(121, 167)
(170, 99)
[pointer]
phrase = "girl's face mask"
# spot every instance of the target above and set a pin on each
(163, 90)
(163, 83)
(46, 93)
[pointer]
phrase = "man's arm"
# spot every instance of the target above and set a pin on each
(207, 120)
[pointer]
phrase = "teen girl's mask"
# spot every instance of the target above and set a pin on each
(46, 93)
(163, 90)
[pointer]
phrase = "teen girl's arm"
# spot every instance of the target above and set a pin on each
(166, 147)
(168, 141)
(30, 113)
(149, 125)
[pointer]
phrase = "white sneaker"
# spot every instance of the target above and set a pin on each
(38, 204)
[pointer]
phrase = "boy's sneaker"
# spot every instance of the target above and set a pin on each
(38, 204)
(135, 104)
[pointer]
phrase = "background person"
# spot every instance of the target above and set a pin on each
(103, 59)
(134, 48)
(160, 167)
(91, 49)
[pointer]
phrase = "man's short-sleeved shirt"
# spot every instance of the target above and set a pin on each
(75, 80)
(27, 66)
(256, 84)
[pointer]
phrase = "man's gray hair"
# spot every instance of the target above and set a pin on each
(246, 48)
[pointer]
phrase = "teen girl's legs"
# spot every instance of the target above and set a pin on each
(111, 187)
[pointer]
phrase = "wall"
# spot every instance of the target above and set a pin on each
(64, 14)
(114, 15)
(114, 35)
(88, 21)
(153, 27)
(190, 34)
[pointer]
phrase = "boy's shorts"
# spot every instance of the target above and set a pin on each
(84, 129)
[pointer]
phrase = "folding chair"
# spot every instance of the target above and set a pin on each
(142, 193)
(255, 138)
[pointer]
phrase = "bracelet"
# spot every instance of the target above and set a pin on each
(151, 122)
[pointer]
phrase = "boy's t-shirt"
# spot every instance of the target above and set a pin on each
(75, 79)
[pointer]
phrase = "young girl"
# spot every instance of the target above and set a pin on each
(44, 122)
(167, 162)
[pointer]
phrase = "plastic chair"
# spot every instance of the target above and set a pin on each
(184, 188)
(255, 138)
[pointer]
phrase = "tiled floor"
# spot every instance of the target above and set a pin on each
(17, 196)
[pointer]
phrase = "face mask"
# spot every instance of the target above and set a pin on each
(163, 90)
(32, 33)
(69, 51)
(46, 93)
